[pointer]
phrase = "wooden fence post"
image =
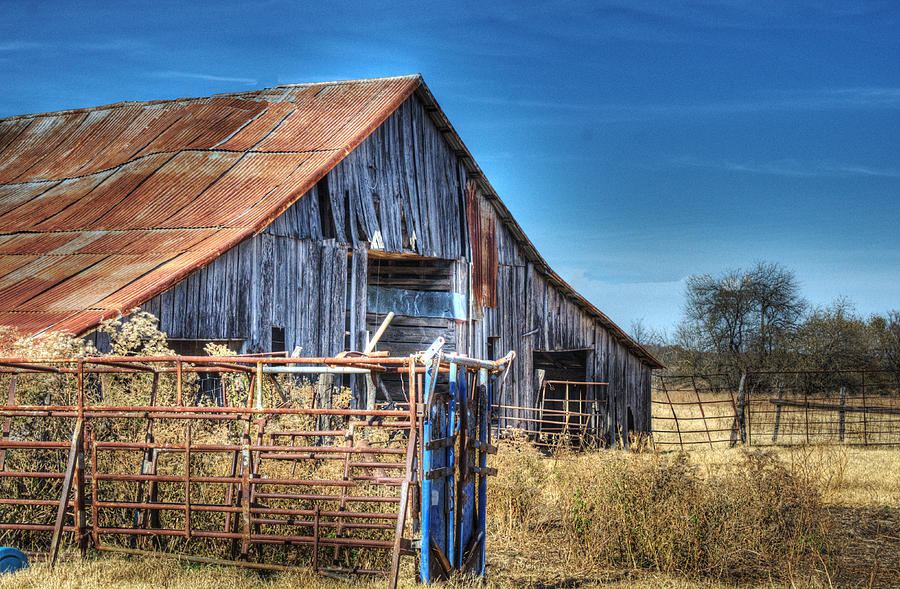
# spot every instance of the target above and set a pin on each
(865, 421)
(841, 420)
(806, 406)
(747, 430)
(777, 416)
(737, 428)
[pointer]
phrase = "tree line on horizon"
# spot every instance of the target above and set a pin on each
(757, 320)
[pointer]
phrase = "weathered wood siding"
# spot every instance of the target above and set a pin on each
(266, 281)
(402, 190)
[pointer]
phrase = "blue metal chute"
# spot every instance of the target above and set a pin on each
(456, 442)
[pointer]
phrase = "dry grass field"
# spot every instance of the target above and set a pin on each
(814, 515)
(818, 516)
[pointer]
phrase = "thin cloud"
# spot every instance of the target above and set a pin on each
(560, 112)
(11, 46)
(109, 45)
(791, 168)
(170, 74)
(871, 96)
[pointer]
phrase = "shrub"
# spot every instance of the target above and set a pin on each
(659, 512)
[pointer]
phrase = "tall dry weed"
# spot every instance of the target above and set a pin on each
(663, 513)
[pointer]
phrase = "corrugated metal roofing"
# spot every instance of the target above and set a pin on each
(103, 208)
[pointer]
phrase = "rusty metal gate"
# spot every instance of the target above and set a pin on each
(258, 476)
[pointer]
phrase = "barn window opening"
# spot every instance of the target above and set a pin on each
(413, 288)
(493, 342)
(326, 215)
(278, 344)
(419, 291)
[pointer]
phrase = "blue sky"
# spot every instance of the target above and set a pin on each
(636, 142)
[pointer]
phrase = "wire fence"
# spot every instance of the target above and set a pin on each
(767, 408)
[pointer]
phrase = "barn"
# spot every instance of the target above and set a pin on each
(298, 215)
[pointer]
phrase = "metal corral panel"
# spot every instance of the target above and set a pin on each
(101, 209)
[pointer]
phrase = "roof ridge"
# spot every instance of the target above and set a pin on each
(187, 99)
(329, 83)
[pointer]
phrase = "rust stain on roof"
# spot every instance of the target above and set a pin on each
(103, 208)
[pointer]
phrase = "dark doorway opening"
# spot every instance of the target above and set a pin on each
(557, 401)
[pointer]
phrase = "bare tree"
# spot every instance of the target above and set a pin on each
(742, 318)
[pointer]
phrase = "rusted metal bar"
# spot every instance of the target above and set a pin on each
(187, 480)
(129, 365)
(348, 442)
(310, 433)
(411, 447)
(95, 497)
(317, 497)
(702, 412)
(25, 365)
(81, 533)
(252, 539)
(179, 380)
(173, 447)
(839, 408)
(215, 508)
(66, 490)
(561, 412)
(225, 562)
(7, 423)
(575, 382)
(147, 458)
(140, 411)
(674, 416)
(245, 498)
(316, 540)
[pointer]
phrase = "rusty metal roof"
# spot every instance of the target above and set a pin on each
(103, 208)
